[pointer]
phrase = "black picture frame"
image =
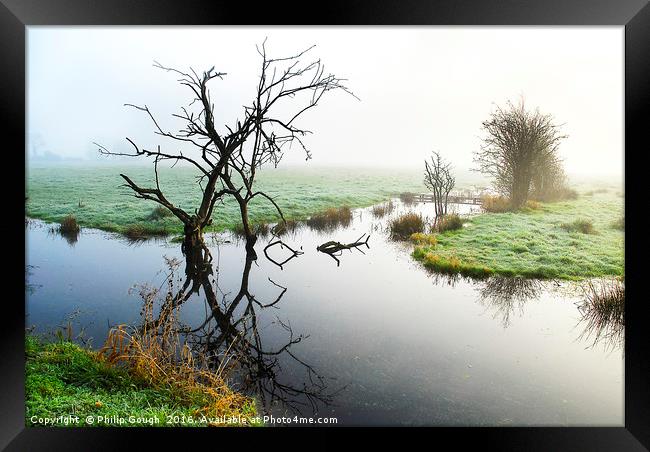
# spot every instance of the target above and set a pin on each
(634, 15)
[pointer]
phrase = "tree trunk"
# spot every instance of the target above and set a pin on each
(520, 188)
(196, 252)
(251, 237)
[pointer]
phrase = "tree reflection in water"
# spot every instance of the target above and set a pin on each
(229, 340)
(601, 306)
(505, 295)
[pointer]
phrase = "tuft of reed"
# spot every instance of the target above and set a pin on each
(495, 204)
(407, 198)
(159, 213)
(383, 209)
(449, 222)
(405, 225)
(532, 205)
(581, 225)
(619, 224)
(330, 219)
(259, 229)
(141, 231)
(603, 310)
(262, 229)
(282, 228)
(69, 225)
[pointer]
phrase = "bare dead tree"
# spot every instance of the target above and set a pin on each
(228, 158)
(438, 179)
(282, 80)
(516, 141)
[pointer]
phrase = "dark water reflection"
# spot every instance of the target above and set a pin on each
(376, 340)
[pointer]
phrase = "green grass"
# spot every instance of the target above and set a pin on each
(534, 243)
(64, 379)
(55, 193)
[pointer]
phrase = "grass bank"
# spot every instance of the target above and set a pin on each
(535, 243)
(64, 380)
(96, 197)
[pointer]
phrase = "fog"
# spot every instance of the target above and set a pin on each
(420, 88)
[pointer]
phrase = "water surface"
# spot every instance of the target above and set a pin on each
(376, 340)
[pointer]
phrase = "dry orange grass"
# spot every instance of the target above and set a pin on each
(495, 204)
(156, 354)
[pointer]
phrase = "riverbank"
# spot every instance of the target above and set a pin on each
(67, 385)
(97, 199)
(572, 240)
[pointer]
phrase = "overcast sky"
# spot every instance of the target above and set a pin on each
(420, 88)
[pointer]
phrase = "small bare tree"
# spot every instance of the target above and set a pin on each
(228, 157)
(517, 141)
(438, 179)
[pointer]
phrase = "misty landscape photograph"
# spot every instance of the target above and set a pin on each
(324, 226)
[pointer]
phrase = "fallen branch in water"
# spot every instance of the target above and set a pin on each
(334, 249)
(294, 253)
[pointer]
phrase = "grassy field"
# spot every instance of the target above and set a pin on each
(568, 240)
(94, 195)
(63, 379)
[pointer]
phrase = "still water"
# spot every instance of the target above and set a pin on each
(376, 340)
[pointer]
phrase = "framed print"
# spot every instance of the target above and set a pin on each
(410, 214)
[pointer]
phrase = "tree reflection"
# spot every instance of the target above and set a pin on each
(229, 338)
(505, 295)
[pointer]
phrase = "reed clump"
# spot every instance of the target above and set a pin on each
(383, 209)
(407, 198)
(449, 222)
(619, 224)
(532, 205)
(603, 310)
(405, 225)
(285, 227)
(69, 225)
(495, 204)
(139, 231)
(581, 225)
(159, 212)
(330, 218)
(259, 229)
